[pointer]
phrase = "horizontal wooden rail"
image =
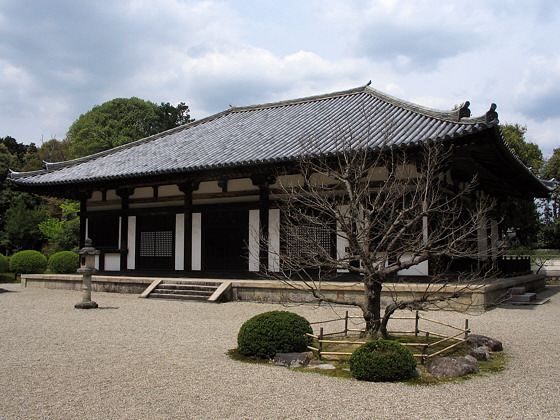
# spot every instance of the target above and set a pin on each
(445, 349)
(443, 340)
(442, 323)
(342, 342)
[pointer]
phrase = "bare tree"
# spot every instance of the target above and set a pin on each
(392, 210)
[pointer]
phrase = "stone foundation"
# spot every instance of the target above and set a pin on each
(474, 299)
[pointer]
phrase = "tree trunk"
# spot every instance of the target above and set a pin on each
(389, 311)
(372, 308)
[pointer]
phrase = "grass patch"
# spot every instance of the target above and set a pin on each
(496, 364)
(234, 354)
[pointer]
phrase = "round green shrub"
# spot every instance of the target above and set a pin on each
(382, 360)
(4, 263)
(27, 262)
(64, 262)
(273, 332)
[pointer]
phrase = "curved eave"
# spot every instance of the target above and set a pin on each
(541, 189)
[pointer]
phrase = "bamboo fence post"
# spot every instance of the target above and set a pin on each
(425, 349)
(320, 342)
(346, 325)
(466, 328)
(416, 325)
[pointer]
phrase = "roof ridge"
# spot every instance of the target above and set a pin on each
(459, 115)
(296, 101)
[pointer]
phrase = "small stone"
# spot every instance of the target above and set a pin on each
(326, 366)
(87, 304)
(480, 353)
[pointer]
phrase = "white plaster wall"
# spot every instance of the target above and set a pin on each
(254, 232)
(196, 242)
(416, 270)
(169, 191)
(243, 184)
(180, 241)
(112, 195)
(209, 187)
(120, 230)
(341, 241)
(406, 171)
(112, 262)
(143, 192)
(288, 181)
(131, 257)
(379, 173)
(274, 240)
(96, 196)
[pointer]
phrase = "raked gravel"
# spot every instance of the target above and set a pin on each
(143, 359)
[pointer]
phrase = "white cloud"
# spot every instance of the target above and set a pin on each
(58, 59)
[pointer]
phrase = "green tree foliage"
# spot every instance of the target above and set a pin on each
(527, 152)
(122, 121)
(382, 360)
(21, 226)
(4, 263)
(273, 332)
(64, 262)
(550, 231)
(52, 150)
(522, 215)
(62, 232)
(28, 261)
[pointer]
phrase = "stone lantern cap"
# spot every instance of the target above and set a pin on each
(88, 249)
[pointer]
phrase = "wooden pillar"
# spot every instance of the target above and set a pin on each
(187, 188)
(83, 197)
(124, 194)
(263, 181)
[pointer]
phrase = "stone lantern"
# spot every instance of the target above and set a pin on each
(87, 268)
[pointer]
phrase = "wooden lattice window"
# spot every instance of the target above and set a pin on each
(309, 240)
(156, 244)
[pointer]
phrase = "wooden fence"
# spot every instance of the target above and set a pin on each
(458, 337)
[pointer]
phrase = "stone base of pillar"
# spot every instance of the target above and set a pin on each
(86, 304)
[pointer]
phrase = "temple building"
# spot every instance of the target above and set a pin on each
(185, 200)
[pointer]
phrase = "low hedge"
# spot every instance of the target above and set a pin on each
(28, 262)
(4, 263)
(382, 360)
(64, 262)
(273, 332)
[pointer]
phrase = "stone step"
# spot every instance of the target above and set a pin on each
(190, 283)
(196, 292)
(518, 290)
(177, 296)
(526, 297)
(167, 286)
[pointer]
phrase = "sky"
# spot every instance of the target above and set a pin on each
(58, 59)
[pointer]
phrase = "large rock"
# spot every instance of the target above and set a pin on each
(292, 359)
(475, 340)
(451, 366)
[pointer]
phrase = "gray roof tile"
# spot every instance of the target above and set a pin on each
(264, 133)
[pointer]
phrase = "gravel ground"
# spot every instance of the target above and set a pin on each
(139, 358)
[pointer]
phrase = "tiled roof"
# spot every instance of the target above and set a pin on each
(267, 133)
